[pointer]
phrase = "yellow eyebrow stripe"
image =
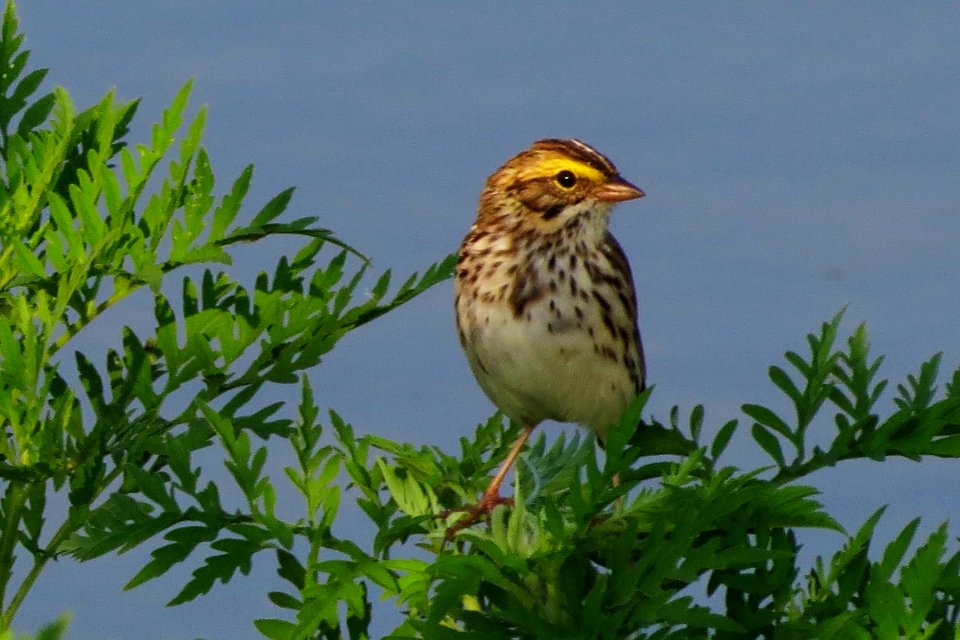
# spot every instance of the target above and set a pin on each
(552, 166)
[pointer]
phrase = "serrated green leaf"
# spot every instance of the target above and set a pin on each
(768, 418)
(894, 553)
(229, 207)
(769, 443)
(284, 600)
(410, 495)
(275, 629)
(783, 382)
(164, 558)
(219, 567)
(276, 206)
(28, 84)
(27, 261)
(722, 439)
(35, 115)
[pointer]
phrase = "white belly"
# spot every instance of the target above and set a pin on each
(533, 373)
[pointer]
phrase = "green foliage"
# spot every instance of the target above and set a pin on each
(79, 236)
(705, 550)
(846, 381)
(655, 537)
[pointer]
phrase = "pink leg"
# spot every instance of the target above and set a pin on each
(491, 497)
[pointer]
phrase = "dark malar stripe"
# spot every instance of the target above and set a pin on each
(552, 212)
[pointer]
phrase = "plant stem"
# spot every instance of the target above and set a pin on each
(40, 558)
(14, 503)
(39, 562)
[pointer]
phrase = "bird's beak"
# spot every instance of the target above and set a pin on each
(617, 190)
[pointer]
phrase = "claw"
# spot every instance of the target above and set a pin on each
(484, 507)
(491, 497)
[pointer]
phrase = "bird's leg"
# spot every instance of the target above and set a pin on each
(492, 494)
(491, 497)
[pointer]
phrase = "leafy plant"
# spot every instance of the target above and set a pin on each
(79, 236)
(704, 550)
(655, 537)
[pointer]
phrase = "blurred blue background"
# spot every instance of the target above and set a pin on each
(797, 158)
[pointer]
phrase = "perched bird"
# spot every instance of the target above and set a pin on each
(545, 302)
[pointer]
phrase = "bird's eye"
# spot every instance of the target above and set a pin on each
(565, 179)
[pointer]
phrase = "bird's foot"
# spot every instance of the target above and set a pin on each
(489, 501)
